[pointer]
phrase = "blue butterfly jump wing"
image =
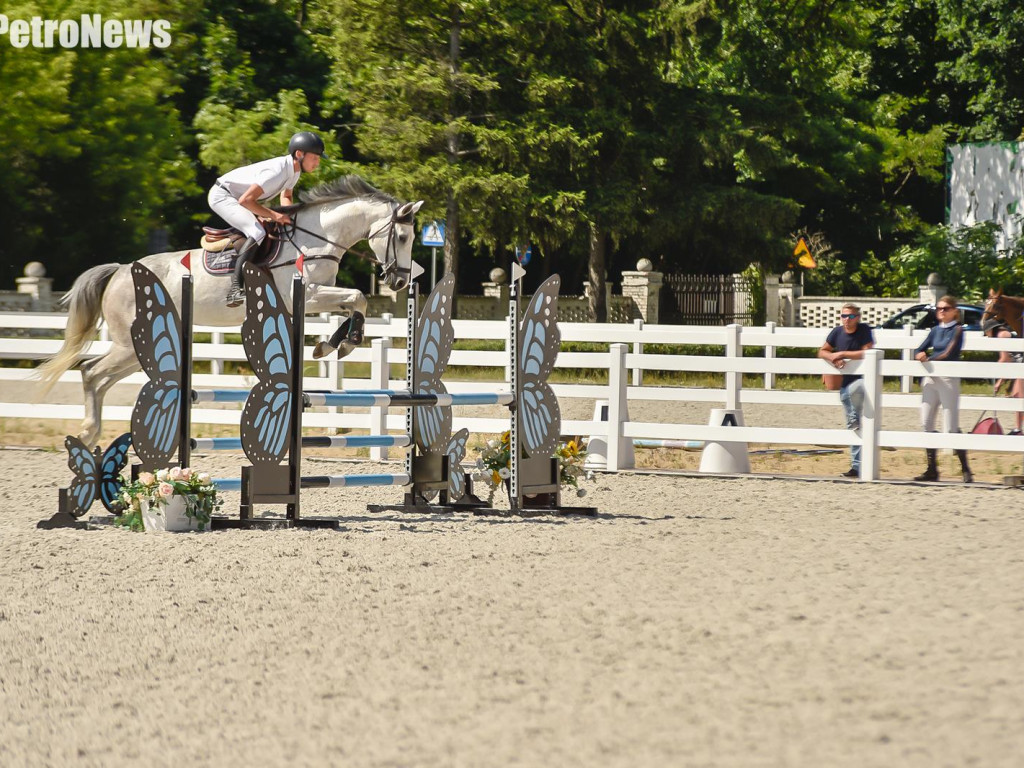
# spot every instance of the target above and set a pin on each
(540, 419)
(539, 343)
(109, 471)
(156, 336)
(435, 335)
(155, 420)
(156, 330)
(81, 461)
(434, 339)
(266, 422)
(456, 453)
(267, 330)
(433, 423)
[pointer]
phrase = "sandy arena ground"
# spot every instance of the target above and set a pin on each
(696, 621)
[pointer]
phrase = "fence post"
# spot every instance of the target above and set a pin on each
(217, 364)
(733, 379)
(871, 418)
(617, 379)
(769, 354)
(508, 352)
(380, 377)
(638, 349)
(907, 354)
(324, 366)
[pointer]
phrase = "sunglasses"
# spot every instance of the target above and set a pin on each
(849, 317)
(942, 309)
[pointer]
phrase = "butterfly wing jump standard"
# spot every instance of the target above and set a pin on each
(432, 347)
(267, 338)
(156, 335)
(537, 423)
(97, 473)
(539, 343)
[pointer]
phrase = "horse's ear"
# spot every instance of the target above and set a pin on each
(406, 211)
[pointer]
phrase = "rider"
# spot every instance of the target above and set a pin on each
(238, 196)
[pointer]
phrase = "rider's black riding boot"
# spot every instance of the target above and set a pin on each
(235, 293)
(964, 466)
(931, 474)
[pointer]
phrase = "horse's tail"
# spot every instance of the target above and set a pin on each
(84, 302)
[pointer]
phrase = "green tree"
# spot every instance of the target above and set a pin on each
(783, 132)
(967, 259)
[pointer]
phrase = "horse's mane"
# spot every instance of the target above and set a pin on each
(344, 188)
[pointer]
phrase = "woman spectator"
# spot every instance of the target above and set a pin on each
(945, 341)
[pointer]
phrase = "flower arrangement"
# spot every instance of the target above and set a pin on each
(196, 488)
(496, 458)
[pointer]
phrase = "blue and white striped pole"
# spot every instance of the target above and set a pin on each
(347, 481)
(311, 441)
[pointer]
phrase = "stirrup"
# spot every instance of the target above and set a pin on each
(235, 296)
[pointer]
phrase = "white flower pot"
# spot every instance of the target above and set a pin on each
(167, 517)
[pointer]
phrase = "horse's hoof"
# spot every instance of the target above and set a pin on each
(322, 349)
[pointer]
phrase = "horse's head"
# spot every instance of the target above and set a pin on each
(391, 240)
(994, 306)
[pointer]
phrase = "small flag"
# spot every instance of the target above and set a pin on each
(805, 259)
(300, 262)
(186, 261)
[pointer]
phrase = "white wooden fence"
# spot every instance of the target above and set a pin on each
(623, 364)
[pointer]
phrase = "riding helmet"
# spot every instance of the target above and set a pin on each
(306, 141)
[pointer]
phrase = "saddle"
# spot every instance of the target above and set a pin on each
(220, 248)
(218, 240)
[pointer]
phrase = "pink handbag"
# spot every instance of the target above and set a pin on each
(987, 426)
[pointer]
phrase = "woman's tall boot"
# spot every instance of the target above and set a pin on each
(931, 474)
(968, 476)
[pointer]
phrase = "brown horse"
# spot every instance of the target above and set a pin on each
(1006, 309)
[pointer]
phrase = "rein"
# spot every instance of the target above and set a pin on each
(288, 232)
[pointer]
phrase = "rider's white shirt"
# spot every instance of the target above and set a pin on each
(274, 176)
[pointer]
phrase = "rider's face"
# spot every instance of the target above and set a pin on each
(309, 162)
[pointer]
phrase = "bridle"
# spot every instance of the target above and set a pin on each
(388, 268)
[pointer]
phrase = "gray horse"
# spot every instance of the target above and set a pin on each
(329, 220)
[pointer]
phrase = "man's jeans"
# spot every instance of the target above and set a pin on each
(852, 397)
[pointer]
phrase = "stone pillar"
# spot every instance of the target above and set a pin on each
(498, 289)
(790, 292)
(38, 286)
(772, 308)
(644, 288)
(934, 290)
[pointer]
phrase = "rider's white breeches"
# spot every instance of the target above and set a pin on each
(940, 392)
(225, 206)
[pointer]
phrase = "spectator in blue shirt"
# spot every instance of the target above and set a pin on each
(848, 342)
(945, 341)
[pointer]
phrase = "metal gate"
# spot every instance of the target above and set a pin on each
(706, 300)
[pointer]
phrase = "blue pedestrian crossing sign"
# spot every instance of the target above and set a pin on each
(433, 234)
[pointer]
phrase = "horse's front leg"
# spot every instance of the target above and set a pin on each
(98, 375)
(349, 301)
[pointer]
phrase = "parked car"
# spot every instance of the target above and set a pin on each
(923, 316)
